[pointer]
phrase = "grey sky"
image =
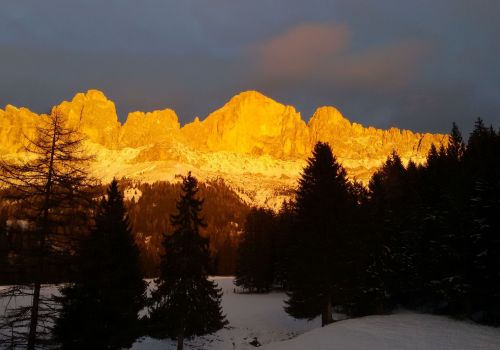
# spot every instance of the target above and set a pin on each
(417, 64)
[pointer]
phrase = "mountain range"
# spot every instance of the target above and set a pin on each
(257, 145)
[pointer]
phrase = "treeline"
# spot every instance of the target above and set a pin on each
(425, 237)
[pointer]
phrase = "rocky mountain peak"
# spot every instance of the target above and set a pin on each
(94, 115)
(250, 96)
(251, 123)
(255, 143)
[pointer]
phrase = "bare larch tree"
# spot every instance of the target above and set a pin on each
(53, 198)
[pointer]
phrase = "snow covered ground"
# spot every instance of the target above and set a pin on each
(395, 332)
(250, 316)
(261, 317)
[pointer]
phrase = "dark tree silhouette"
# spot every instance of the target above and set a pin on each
(185, 302)
(100, 310)
(436, 229)
(256, 252)
(282, 257)
(320, 256)
(4, 242)
(392, 210)
(456, 147)
(53, 196)
(482, 163)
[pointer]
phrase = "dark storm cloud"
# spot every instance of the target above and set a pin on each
(418, 65)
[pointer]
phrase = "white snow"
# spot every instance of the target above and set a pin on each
(261, 316)
(399, 332)
(250, 316)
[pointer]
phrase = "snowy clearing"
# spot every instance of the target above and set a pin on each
(261, 317)
(400, 331)
(250, 316)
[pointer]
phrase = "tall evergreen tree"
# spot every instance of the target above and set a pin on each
(256, 252)
(320, 255)
(443, 191)
(485, 251)
(482, 163)
(390, 270)
(100, 310)
(284, 226)
(185, 302)
(456, 147)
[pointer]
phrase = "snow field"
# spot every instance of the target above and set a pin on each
(396, 332)
(261, 318)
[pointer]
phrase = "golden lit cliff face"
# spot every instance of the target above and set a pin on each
(362, 150)
(252, 123)
(251, 141)
(95, 116)
(141, 128)
(13, 123)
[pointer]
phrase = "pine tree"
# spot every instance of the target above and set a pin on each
(256, 255)
(485, 251)
(444, 195)
(482, 163)
(392, 209)
(456, 147)
(320, 261)
(100, 310)
(284, 226)
(53, 194)
(185, 302)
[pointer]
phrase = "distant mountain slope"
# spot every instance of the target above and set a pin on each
(256, 144)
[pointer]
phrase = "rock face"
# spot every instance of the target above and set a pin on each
(257, 144)
(95, 116)
(15, 125)
(252, 123)
(355, 141)
(364, 149)
(142, 129)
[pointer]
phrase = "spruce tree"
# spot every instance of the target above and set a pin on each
(185, 302)
(256, 255)
(482, 163)
(443, 191)
(100, 310)
(386, 194)
(456, 147)
(284, 225)
(320, 259)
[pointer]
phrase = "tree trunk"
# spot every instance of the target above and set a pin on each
(34, 316)
(326, 315)
(41, 248)
(180, 341)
